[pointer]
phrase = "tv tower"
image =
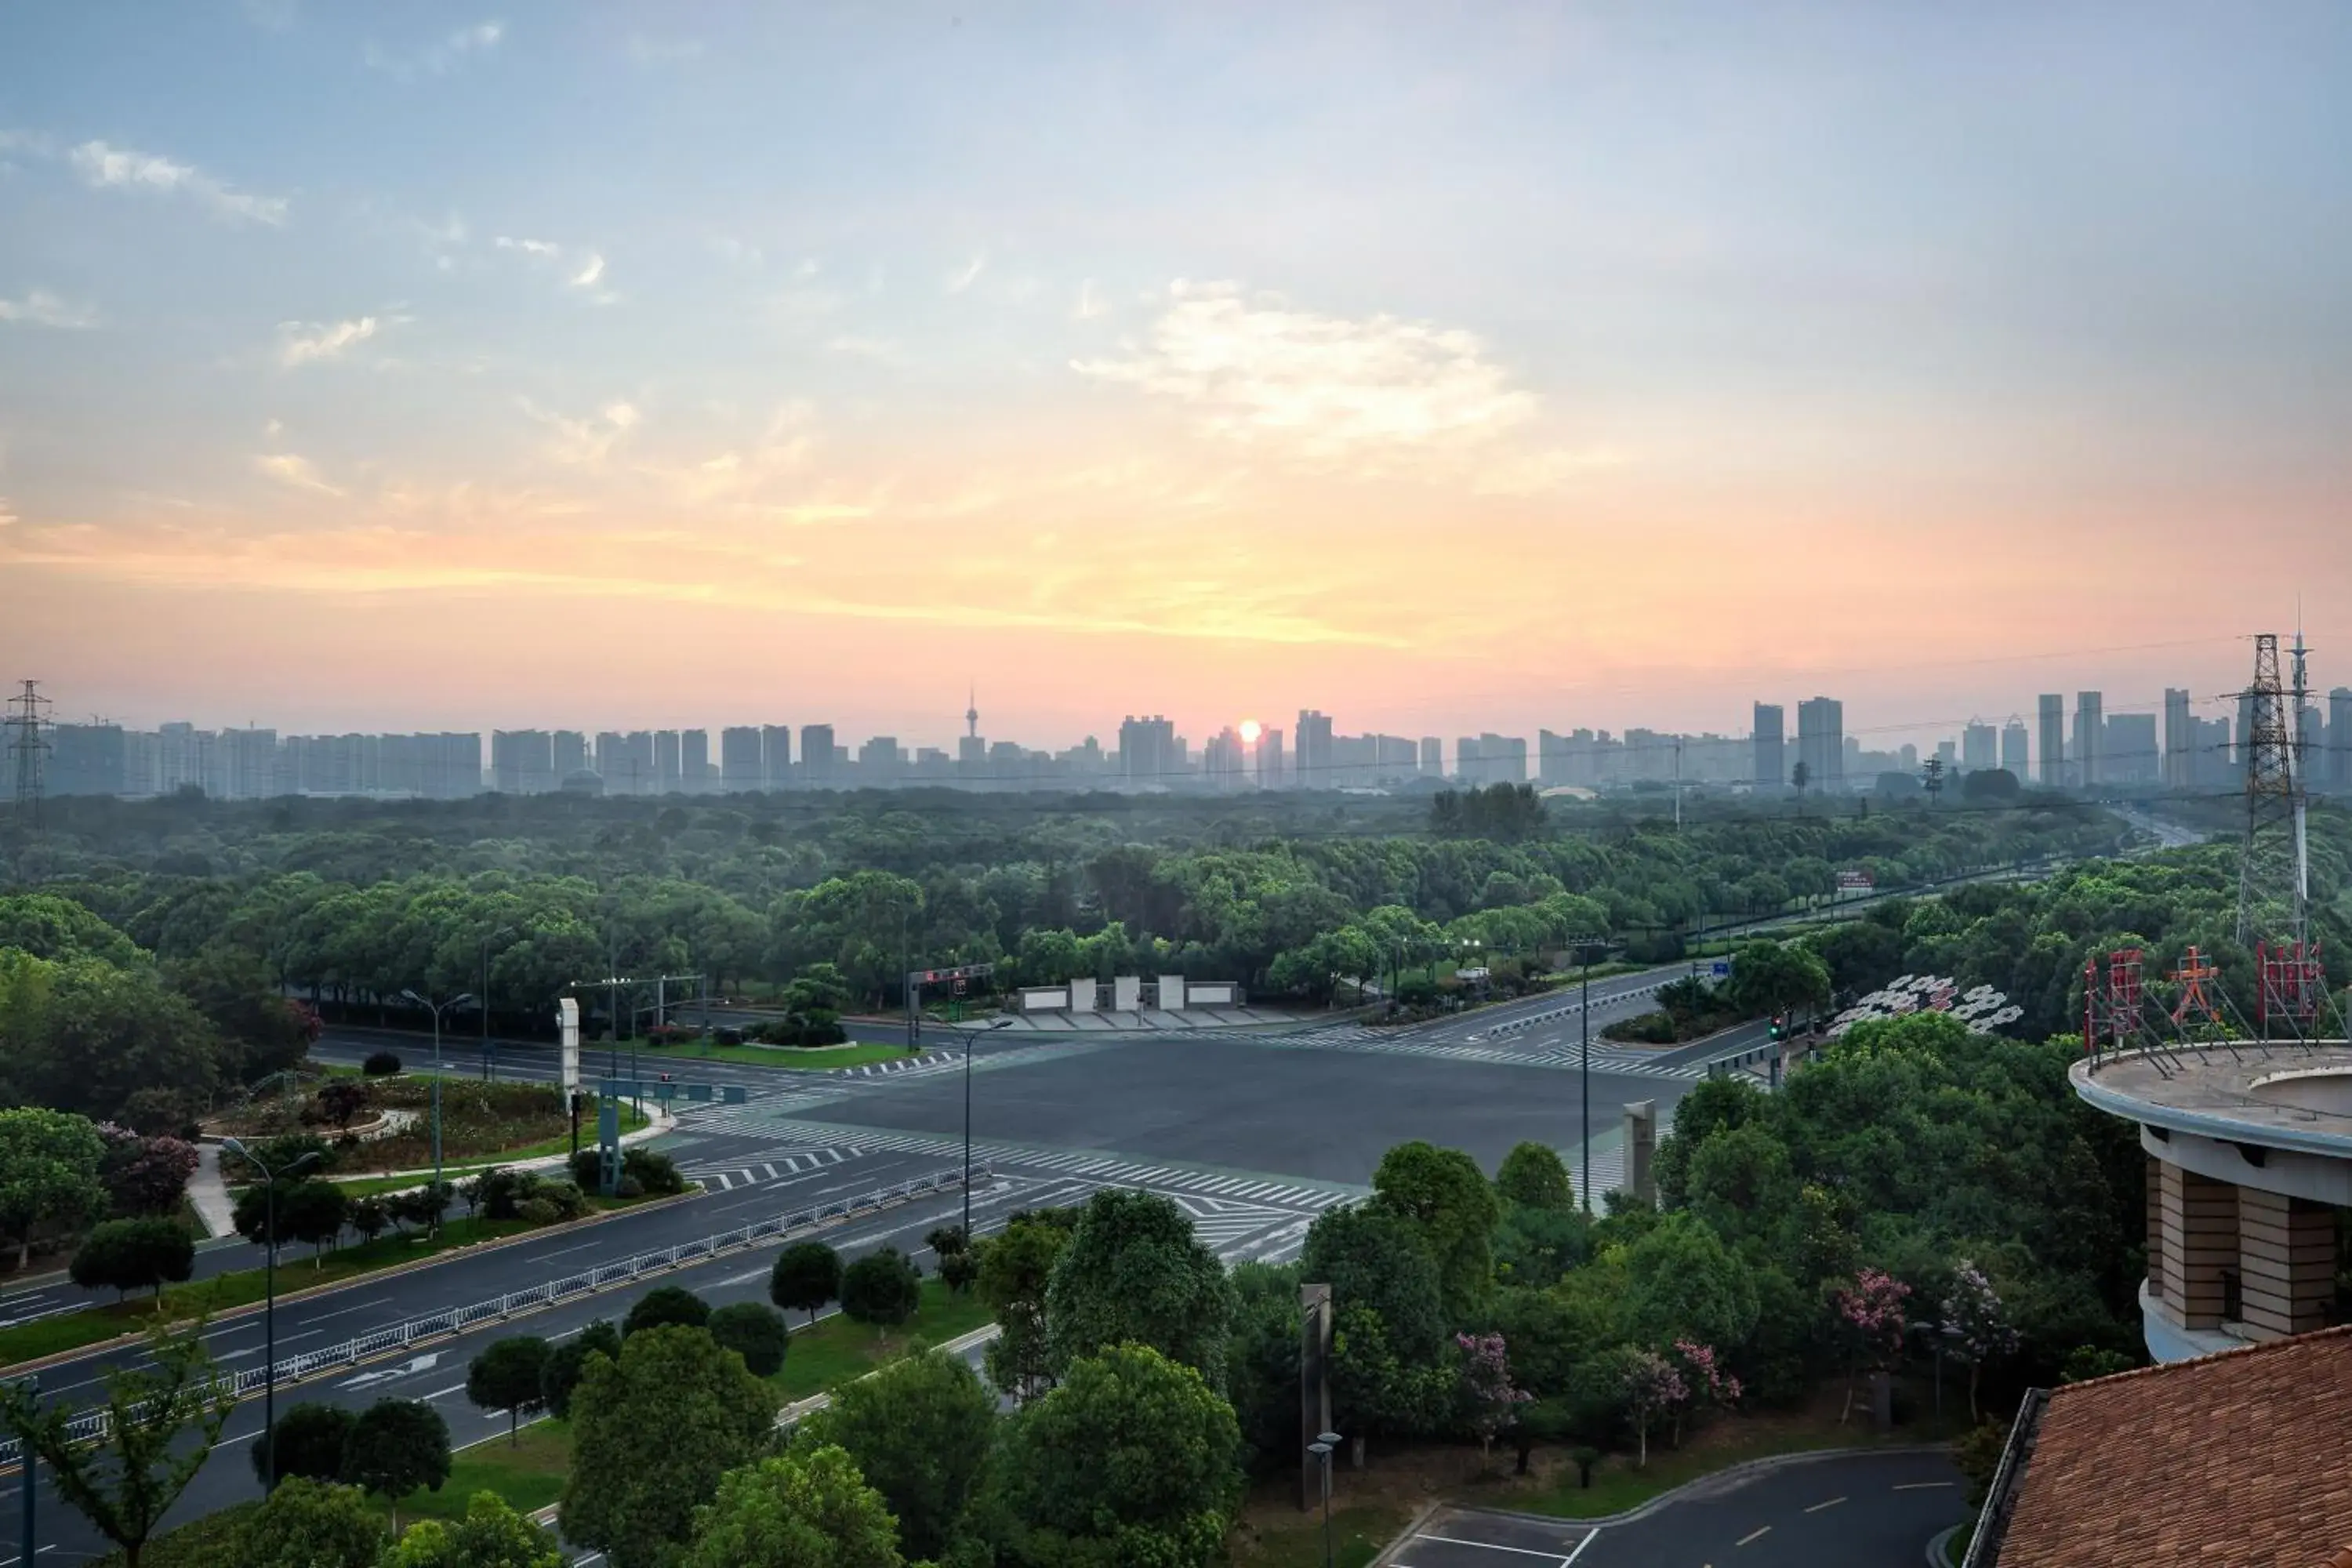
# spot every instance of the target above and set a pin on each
(971, 713)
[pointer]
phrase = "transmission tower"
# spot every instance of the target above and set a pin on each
(2274, 870)
(28, 743)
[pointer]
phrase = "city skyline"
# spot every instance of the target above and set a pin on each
(448, 365)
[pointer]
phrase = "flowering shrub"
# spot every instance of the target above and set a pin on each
(1871, 1312)
(1652, 1387)
(144, 1176)
(1973, 1317)
(1486, 1386)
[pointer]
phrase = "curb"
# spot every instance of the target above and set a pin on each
(1936, 1546)
(373, 1276)
(1724, 1480)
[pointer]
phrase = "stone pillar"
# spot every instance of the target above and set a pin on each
(2201, 1241)
(1314, 1387)
(2287, 1263)
(1640, 1143)
(2155, 1227)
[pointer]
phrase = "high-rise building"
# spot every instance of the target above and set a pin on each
(1770, 771)
(2090, 738)
(2051, 716)
(2180, 740)
(1980, 747)
(776, 757)
(742, 766)
(85, 759)
(570, 750)
(2128, 754)
(1269, 759)
(2012, 749)
(1311, 747)
(817, 756)
(522, 762)
(2337, 774)
(665, 761)
(1433, 757)
(880, 761)
(694, 761)
(1821, 743)
(1147, 751)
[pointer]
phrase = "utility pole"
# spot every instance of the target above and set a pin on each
(28, 745)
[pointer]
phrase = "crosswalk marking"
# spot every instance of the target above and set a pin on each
(1618, 1059)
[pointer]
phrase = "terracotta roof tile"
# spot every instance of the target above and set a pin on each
(2239, 1459)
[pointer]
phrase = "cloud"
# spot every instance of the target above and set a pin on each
(301, 343)
(964, 277)
(438, 58)
(105, 167)
(735, 252)
(1090, 303)
(40, 308)
(294, 472)
(585, 443)
(581, 271)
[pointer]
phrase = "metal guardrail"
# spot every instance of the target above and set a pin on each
(91, 1426)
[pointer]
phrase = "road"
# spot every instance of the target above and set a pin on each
(1858, 1510)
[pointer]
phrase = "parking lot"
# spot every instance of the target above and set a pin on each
(1461, 1537)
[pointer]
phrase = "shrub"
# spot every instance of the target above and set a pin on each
(628, 1187)
(806, 1275)
(883, 1288)
(755, 1331)
(665, 1306)
(588, 1168)
(537, 1211)
(570, 1201)
(309, 1440)
(381, 1064)
(570, 1358)
(655, 1171)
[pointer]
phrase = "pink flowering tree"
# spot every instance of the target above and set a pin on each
(1702, 1373)
(1487, 1390)
(144, 1176)
(1870, 1311)
(1974, 1319)
(1654, 1389)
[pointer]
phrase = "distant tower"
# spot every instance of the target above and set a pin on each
(27, 745)
(2272, 871)
(972, 715)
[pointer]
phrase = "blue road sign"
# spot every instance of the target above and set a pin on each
(1719, 968)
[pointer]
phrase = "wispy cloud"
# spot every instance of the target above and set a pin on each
(587, 442)
(1090, 304)
(1374, 394)
(294, 472)
(964, 277)
(105, 167)
(440, 58)
(303, 342)
(581, 271)
(40, 308)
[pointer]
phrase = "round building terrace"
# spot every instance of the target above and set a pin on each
(2249, 1152)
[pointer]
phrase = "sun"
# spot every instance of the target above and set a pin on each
(1251, 730)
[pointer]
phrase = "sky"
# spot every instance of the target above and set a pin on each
(1445, 368)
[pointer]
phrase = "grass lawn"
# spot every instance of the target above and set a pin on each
(1272, 1534)
(366, 1186)
(786, 1059)
(529, 1475)
(200, 1544)
(837, 1350)
(71, 1331)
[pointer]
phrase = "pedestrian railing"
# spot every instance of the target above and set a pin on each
(91, 1426)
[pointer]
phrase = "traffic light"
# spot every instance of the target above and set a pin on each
(1780, 1026)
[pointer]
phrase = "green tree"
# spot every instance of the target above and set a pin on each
(667, 1306)
(127, 1255)
(1445, 1196)
(1134, 1273)
(882, 1288)
(919, 1431)
(651, 1435)
(1015, 1267)
(568, 1359)
(754, 1330)
(1388, 1345)
(509, 1374)
(311, 1524)
(49, 1163)
(1131, 1459)
(1532, 1174)
(1770, 976)
(313, 1212)
(129, 1478)
(807, 1509)
(491, 1535)
(397, 1446)
(309, 1441)
(806, 1275)
(1681, 1284)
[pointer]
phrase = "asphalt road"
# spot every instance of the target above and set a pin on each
(1861, 1511)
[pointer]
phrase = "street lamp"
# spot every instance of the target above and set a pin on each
(269, 1180)
(968, 1036)
(1325, 1445)
(437, 1009)
(489, 1074)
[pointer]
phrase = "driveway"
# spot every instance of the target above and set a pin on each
(1852, 1510)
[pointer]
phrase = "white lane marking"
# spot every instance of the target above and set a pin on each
(1755, 1534)
(1490, 1546)
(1819, 1506)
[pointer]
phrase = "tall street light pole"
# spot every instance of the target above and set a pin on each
(969, 1036)
(1326, 1444)
(269, 1180)
(1584, 1072)
(490, 1074)
(437, 1009)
